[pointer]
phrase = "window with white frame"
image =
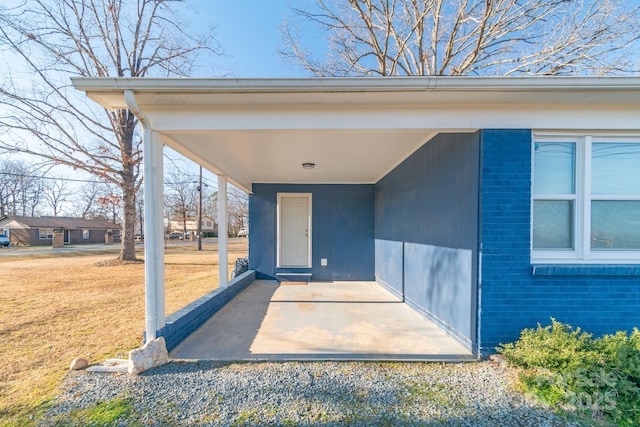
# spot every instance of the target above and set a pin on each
(45, 233)
(85, 234)
(586, 199)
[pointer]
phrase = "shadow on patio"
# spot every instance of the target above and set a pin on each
(319, 321)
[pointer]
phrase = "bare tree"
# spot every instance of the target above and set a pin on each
(210, 205)
(21, 188)
(181, 197)
(9, 187)
(87, 199)
(32, 196)
(56, 193)
(462, 37)
(111, 204)
(237, 209)
(50, 40)
(140, 210)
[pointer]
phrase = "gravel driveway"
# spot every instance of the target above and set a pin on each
(311, 393)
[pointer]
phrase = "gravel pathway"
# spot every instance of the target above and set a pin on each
(308, 393)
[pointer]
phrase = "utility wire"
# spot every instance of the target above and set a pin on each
(45, 177)
(206, 182)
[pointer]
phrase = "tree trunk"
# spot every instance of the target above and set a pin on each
(184, 224)
(128, 248)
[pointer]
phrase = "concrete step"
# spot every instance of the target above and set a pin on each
(294, 277)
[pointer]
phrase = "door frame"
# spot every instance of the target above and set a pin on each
(279, 227)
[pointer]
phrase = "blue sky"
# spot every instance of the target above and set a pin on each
(248, 32)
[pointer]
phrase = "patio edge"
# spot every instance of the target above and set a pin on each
(180, 324)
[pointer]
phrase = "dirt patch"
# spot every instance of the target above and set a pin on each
(117, 262)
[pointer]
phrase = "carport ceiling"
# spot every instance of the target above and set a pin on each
(353, 156)
(355, 130)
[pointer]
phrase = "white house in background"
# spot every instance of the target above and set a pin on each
(208, 225)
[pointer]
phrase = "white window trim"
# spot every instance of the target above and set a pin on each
(582, 253)
(278, 225)
(46, 235)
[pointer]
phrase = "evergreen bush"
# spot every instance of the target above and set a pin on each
(568, 368)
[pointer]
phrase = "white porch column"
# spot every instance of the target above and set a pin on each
(154, 221)
(223, 257)
(153, 233)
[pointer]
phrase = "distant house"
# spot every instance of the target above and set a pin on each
(208, 225)
(38, 231)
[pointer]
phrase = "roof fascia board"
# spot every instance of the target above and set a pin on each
(356, 84)
(110, 92)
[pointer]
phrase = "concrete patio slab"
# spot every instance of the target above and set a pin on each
(319, 321)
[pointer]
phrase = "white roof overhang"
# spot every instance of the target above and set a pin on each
(354, 129)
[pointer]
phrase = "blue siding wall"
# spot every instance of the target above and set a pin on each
(427, 228)
(342, 227)
(390, 265)
(599, 299)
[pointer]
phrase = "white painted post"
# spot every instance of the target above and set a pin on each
(223, 257)
(153, 224)
(153, 233)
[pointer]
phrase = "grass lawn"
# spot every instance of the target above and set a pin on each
(56, 307)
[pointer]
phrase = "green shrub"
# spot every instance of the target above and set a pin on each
(566, 367)
(552, 347)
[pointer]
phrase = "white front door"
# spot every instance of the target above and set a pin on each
(294, 230)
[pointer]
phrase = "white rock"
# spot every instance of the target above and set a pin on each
(78, 363)
(154, 353)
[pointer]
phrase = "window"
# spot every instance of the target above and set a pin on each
(586, 199)
(45, 233)
(85, 234)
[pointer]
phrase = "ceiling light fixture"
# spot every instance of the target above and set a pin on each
(308, 165)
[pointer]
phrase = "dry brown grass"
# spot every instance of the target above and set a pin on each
(58, 307)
